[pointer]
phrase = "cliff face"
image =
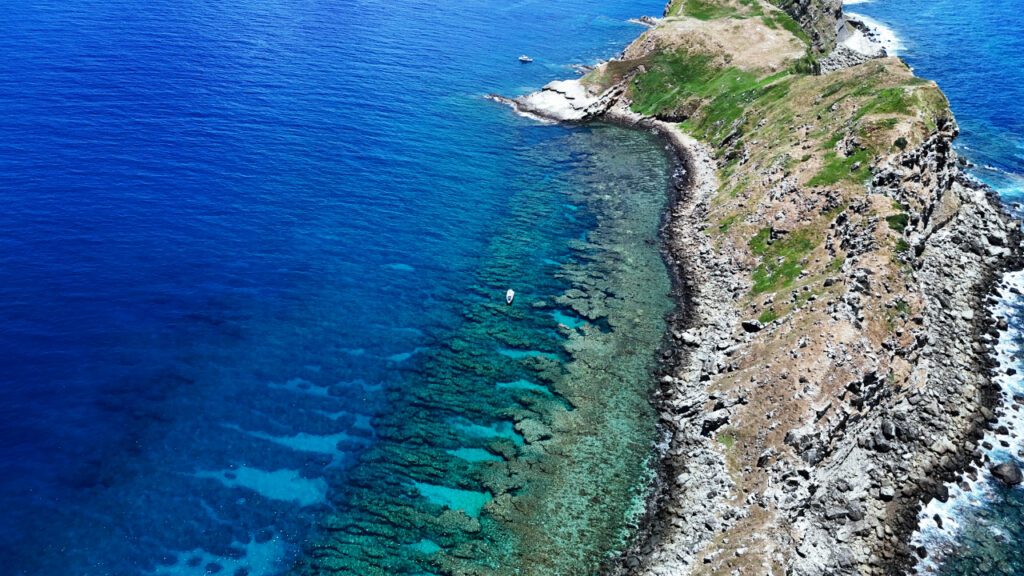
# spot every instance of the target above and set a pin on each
(831, 353)
(819, 18)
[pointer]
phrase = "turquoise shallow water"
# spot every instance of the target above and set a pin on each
(238, 238)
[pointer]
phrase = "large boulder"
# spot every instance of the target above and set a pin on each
(1008, 473)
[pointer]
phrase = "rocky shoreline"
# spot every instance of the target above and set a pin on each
(877, 423)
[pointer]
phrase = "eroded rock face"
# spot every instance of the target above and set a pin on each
(887, 449)
(819, 18)
(852, 47)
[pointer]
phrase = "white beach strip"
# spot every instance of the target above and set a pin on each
(882, 34)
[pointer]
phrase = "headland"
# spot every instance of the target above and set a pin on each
(830, 363)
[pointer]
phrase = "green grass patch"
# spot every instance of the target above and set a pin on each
(675, 7)
(727, 223)
(898, 222)
(792, 26)
(887, 123)
(889, 101)
(707, 9)
(712, 99)
(672, 77)
(782, 260)
(759, 243)
(768, 316)
(727, 439)
(832, 89)
(833, 140)
(754, 8)
(837, 169)
(807, 64)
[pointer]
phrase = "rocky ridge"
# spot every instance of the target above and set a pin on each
(831, 359)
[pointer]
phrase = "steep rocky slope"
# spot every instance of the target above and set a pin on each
(830, 364)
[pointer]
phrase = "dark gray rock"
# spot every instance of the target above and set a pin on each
(752, 326)
(1008, 473)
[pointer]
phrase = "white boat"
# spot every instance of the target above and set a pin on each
(525, 59)
(509, 296)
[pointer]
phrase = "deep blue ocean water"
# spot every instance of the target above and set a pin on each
(226, 230)
(975, 51)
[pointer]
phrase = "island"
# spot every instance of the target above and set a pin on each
(829, 365)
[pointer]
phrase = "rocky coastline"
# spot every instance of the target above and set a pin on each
(808, 417)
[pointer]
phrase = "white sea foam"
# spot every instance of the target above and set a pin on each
(882, 34)
(979, 492)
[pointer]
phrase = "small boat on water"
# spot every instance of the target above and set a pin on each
(525, 59)
(509, 296)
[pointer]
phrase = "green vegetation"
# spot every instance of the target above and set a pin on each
(768, 316)
(898, 222)
(783, 259)
(902, 307)
(853, 168)
(707, 10)
(727, 439)
(754, 8)
(759, 243)
(887, 123)
(727, 223)
(781, 19)
(808, 64)
(888, 101)
(715, 9)
(833, 140)
(831, 214)
(891, 314)
(825, 130)
(713, 99)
